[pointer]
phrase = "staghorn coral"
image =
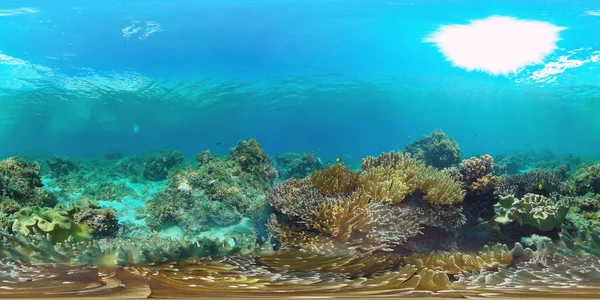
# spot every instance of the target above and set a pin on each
(437, 150)
(543, 213)
(337, 179)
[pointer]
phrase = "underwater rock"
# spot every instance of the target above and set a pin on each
(437, 150)
(60, 166)
(158, 165)
(218, 192)
(21, 181)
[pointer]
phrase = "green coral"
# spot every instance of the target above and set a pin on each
(543, 213)
(56, 222)
(437, 150)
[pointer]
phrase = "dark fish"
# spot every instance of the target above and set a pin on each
(218, 143)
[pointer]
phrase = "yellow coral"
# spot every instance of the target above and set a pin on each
(456, 263)
(345, 218)
(440, 188)
(385, 184)
(335, 179)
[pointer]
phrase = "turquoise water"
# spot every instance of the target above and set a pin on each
(228, 148)
(329, 76)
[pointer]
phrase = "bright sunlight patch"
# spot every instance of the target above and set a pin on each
(496, 45)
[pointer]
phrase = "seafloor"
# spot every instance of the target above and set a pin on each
(426, 221)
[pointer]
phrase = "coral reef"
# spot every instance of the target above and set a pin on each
(296, 165)
(158, 165)
(541, 212)
(481, 185)
(21, 182)
(60, 166)
(384, 207)
(218, 192)
(587, 179)
(437, 150)
(540, 182)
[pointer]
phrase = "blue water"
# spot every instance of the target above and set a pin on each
(337, 77)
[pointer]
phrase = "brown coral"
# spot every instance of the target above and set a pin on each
(385, 184)
(345, 219)
(337, 179)
(457, 263)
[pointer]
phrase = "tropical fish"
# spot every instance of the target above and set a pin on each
(499, 179)
(540, 187)
(337, 160)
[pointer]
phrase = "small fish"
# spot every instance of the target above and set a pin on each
(499, 179)
(540, 187)
(218, 143)
(497, 141)
(337, 160)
